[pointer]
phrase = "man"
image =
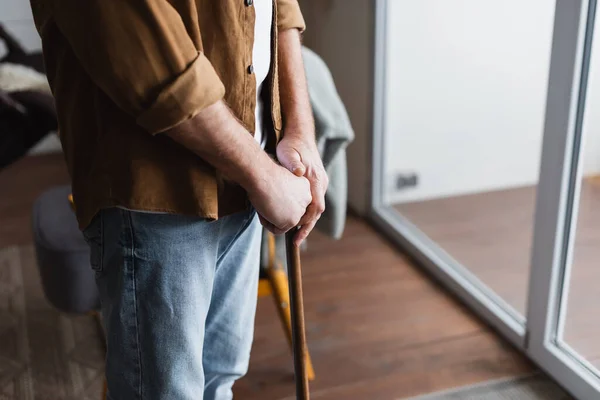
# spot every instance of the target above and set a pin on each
(158, 102)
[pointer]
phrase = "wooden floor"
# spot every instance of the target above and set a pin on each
(377, 327)
(491, 234)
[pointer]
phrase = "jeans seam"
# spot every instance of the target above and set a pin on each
(135, 304)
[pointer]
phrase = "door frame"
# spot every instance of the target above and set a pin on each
(557, 210)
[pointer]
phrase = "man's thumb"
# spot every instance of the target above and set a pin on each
(292, 161)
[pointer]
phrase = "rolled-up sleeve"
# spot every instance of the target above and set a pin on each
(140, 54)
(289, 15)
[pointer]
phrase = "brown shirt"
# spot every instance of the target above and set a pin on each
(124, 71)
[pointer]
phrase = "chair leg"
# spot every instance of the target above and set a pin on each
(98, 318)
(104, 390)
(281, 296)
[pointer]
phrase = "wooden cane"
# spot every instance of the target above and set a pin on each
(297, 310)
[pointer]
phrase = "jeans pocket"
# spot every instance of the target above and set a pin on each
(93, 235)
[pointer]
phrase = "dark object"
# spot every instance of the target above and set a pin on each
(404, 181)
(25, 118)
(7, 103)
(63, 256)
(18, 55)
(297, 309)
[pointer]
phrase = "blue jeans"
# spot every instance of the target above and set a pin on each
(178, 300)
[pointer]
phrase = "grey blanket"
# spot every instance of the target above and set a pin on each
(334, 133)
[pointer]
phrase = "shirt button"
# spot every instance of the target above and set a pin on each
(248, 2)
(250, 69)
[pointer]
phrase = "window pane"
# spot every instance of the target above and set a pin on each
(467, 83)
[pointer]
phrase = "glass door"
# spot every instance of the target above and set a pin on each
(486, 168)
(459, 129)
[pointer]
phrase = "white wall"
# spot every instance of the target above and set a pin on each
(466, 96)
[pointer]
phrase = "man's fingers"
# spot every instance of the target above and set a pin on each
(311, 214)
(316, 207)
(318, 197)
(292, 161)
(304, 232)
(325, 182)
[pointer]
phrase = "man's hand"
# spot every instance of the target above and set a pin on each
(280, 198)
(298, 152)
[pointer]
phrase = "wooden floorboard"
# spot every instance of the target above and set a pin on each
(377, 327)
(491, 234)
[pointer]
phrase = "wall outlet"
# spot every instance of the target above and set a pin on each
(406, 181)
